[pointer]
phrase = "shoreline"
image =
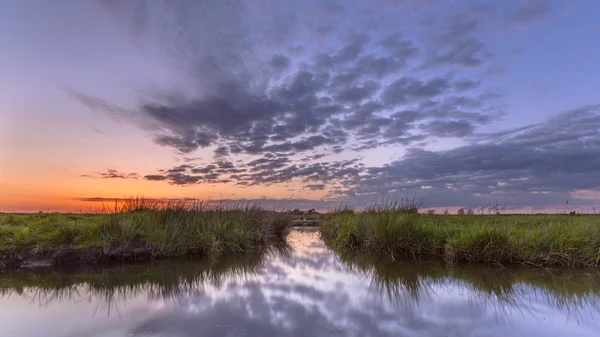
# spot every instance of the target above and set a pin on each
(71, 256)
(131, 254)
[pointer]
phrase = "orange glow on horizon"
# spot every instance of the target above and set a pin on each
(68, 193)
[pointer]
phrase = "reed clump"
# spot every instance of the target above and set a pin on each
(138, 228)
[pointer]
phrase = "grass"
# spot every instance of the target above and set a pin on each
(539, 240)
(161, 230)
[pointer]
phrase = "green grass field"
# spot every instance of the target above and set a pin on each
(175, 229)
(538, 240)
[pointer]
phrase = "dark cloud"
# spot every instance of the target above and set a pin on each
(185, 179)
(358, 93)
(191, 159)
(205, 169)
(267, 170)
(179, 169)
(112, 174)
(536, 165)
(155, 177)
(409, 90)
(528, 11)
(240, 103)
(186, 143)
(464, 85)
(268, 164)
(222, 151)
(399, 47)
(451, 128)
(280, 62)
(218, 172)
(458, 44)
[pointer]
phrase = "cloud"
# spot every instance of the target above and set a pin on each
(409, 90)
(452, 128)
(541, 164)
(249, 94)
(266, 203)
(111, 174)
(155, 177)
(527, 12)
(280, 62)
(458, 44)
(465, 85)
(275, 92)
(267, 170)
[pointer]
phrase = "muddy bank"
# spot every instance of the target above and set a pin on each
(131, 252)
(70, 256)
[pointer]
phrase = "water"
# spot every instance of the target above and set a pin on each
(309, 291)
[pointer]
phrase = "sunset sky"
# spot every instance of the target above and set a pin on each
(300, 103)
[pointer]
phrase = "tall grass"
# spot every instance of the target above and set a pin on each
(550, 240)
(174, 228)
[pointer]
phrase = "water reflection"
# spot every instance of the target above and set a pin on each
(309, 291)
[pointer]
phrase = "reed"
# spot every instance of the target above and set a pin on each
(148, 229)
(538, 240)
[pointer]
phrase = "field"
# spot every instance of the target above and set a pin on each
(536, 240)
(137, 231)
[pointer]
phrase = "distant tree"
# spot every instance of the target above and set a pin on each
(431, 211)
(446, 212)
(297, 212)
(470, 212)
(461, 211)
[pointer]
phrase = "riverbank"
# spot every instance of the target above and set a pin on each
(535, 240)
(137, 234)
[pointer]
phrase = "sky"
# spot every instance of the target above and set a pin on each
(301, 104)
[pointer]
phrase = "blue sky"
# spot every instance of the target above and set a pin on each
(307, 103)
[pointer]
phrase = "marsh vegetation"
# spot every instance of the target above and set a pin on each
(140, 230)
(399, 232)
